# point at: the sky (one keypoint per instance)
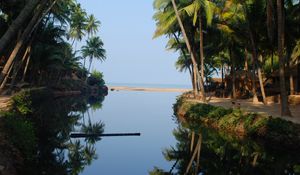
(133, 56)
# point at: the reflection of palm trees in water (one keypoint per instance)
(222, 153)
(80, 155)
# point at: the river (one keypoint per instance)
(148, 113)
(165, 144)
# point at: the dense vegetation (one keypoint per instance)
(222, 153)
(38, 44)
(238, 122)
(39, 126)
(258, 37)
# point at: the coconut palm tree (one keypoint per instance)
(92, 25)
(78, 24)
(285, 111)
(93, 49)
(96, 129)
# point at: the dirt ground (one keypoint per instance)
(4, 102)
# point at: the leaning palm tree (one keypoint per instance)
(93, 49)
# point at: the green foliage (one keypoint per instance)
(158, 171)
(239, 122)
(219, 112)
(96, 74)
(23, 100)
(96, 78)
(21, 134)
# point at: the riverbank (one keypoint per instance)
(247, 105)
(239, 122)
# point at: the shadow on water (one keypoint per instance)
(52, 151)
(202, 150)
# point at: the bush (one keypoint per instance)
(219, 112)
(21, 134)
(96, 78)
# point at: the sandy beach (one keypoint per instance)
(147, 89)
(247, 105)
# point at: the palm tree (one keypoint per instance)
(94, 129)
(92, 25)
(187, 42)
(93, 49)
(285, 111)
(78, 23)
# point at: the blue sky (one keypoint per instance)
(133, 56)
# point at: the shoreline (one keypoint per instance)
(147, 89)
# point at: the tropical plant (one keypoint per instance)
(93, 49)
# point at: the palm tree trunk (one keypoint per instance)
(18, 66)
(188, 45)
(202, 60)
(254, 99)
(25, 35)
(233, 76)
(26, 65)
(91, 60)
(6, 78)
(261, 84)
(186, 58)
(18, 23)
(254, 61)
(285, 111)
(246, 60)
(292, 85)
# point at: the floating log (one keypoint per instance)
(82, 135)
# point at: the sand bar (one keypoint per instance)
(147, 89)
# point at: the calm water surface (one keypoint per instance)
(148, 113)
(164, 143)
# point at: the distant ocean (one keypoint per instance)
(180, 86)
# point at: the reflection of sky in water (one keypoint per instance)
(146, 112)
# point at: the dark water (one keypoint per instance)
(164, 145)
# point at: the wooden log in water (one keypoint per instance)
(82, 135)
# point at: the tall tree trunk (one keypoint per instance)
(38, 16)
(18, 23)
(17, 67)
(5, 79)
(246, 60)
(186, 59)
(233, 75)
(254, 99)
(285, 111)
(255, 66)
(202, 60)
(261, 84)
(27, 64)
(187, 44)
(91, 60)
(291, 78)
(223, 83)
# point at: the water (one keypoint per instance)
(124, 112)
(143, 85)
(164, 143)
